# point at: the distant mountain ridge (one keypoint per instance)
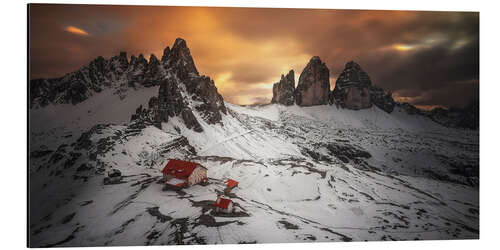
(354, 90)
(183, 92)
(75, 87)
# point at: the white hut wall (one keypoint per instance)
(198, 174)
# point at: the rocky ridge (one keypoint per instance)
(284, 90)
(182, 92)
(353, 89)
(116, 73)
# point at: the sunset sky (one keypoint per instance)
(426, 58)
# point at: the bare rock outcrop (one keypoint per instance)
(77, 86)
(314, 84)
(183, 92)
(354, 90)
(284, 90)
(382, 99)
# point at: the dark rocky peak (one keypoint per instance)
(179, 58)
(289, 77)
(166, 53)
(141, 59)
(99, 60)
(382, 99)
(284, 90)
(314, 84)
(353, 74)
(152, 75)
(352, 65)
(136, 71)
(315, 59)
(153, 60)
(97, 72)
(179, 44)
(98, 64)
(122, 57)
(183, 92)
(354, 90)
(119, 63)
(138, 61)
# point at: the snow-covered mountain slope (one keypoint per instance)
(104, 107)
(55, 124)
(306, 174)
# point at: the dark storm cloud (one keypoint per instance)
(426, 58)
(440, 70)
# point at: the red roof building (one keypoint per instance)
(223, 205)
(231, 183)
(181, 173)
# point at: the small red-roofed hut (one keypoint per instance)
(179, 173)
(223, 205)
(230, 184)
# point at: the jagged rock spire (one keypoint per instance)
(166, 53)
(122, 61)
(152, 75)
(179, 57)
(172, 100)
(153, 59)
(314, 84)
(284, 90)
(138, 61)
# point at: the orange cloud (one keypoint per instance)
(75, 30)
